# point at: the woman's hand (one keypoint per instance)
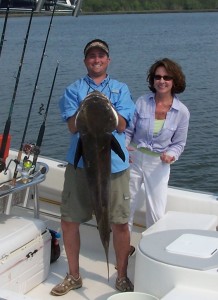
(167, 158)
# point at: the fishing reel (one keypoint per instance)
(26, 167)
(31, 149)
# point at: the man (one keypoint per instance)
(76, 205)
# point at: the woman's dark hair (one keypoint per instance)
(173, 69)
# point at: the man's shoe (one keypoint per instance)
(69, 283)
(124, 285)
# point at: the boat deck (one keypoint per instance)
(93, 267)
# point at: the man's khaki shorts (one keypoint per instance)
(76, 203)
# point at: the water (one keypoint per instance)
(136, 41)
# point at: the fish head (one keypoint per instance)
(96, 115)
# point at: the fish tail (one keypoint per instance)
(107, 260)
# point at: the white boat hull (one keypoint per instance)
(186, 209)
(178, 199)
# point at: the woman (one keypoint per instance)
(159, 132)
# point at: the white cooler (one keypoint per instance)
(25, 248)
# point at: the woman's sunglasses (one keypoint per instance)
(165, 77)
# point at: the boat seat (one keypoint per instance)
(183, 220)
(187, 293)
(186, 258)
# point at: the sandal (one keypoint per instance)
(69, 283)
(124, 285)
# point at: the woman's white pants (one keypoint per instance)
(154, 174)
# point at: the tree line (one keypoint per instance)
(145, 5)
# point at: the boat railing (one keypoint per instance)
(19, 193)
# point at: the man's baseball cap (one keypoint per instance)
(96, 44)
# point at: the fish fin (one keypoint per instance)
(78, 153)
(115, 146)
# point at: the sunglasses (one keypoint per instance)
(165, 77)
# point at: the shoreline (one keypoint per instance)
(21, 13)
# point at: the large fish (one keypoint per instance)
(95, 121)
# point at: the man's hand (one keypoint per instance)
(72, 124)
(121, 124)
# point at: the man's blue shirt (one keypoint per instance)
(121, 99)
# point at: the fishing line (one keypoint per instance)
(8, 122)
(4, 27)
(17, 161)
(42, 127)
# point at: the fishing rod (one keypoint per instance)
(4, 27)
(17, 160)
(28, 167)
(42, 127)
(8, 122)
